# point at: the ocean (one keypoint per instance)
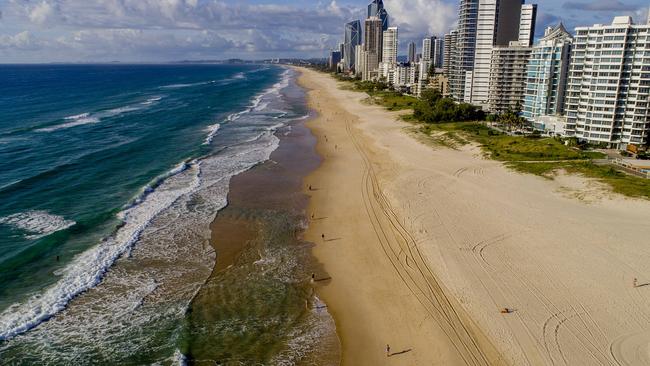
(110, 177)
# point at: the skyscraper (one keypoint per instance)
(372, 46)
(437, 52)
(352, 38)
(450, 47)
(427, 48)
(412, 52)
(374, 6)
(498, 25)
(464, 48)
(376, 9)
(334, 59)
(547, 73)
(358, 60)
(389, 53)
(609, 84)
(527, 24)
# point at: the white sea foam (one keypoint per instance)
(179, 358)
(188, 85)
(87, 269)
(37, 223)
(212, 131)
(96, 117)
(78, 116)
(152, 100)
(170, 192)
(78, 120)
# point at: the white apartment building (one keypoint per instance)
(358, 60)
(527, 24)
(427, 43)
(390, 46)
(499, 23)
(609, 84)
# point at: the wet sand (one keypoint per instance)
(269, 191)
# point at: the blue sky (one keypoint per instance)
(169, 30)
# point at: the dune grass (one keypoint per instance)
(538, 156)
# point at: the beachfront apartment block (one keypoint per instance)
(507, 78)
(389, 55)
(462, 47)
(608, 87)
(358, 60)
(499, 23)
(390, 45)
(372, 47)
(546, 75)
(449, 52)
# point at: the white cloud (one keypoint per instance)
(41, 12)
(425, 17)
(22, 41)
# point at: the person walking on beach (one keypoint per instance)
(387, 350)
(322, 236)
(635, 283)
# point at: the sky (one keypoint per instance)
(35, 31)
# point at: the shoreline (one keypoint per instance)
(265, 215)
(427, 245)
(374, 301)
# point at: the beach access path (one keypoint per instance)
(426, 246)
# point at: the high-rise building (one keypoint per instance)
(389, 53)
(334, 59)
(609, 84)
(358, 60)
(507, 78)
(390, 45)
(427, 48)
(450, 46)
(438, 52)
(412, 52)
(376, 9)
(464, 47)
(498, 25)
(372, 46)
(352, 39)
(547, 73)
(527, 24)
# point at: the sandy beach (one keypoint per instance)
(426, 245)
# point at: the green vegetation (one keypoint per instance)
(381, 94)
(530, 154)
(504, 147)
(535, 155)
(433, 108)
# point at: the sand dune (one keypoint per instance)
(429, 244)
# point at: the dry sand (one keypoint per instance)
(426, 245)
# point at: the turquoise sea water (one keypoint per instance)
(107, 163)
